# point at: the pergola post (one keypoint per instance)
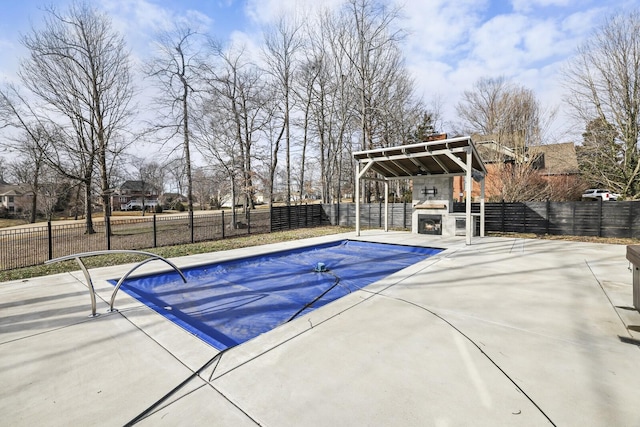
(357, 198)
(468, 187)
(386, 206)
(482, 207)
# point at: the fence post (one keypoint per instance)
(191, 226)
(50, 239)
(404, 215)
(379, 214)
(600, 218)
(502, 217)
(107, 230)
(547, 216)
(248, 221)
(630, 225)
(222, 220)
(348, 213)
(524, 217)
(155, 232)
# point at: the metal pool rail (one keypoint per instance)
(78, 257)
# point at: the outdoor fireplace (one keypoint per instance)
(430, 224)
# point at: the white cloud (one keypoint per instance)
(440, 28)
(137, 15)
(529, 5)
(268, 11)
(11, 54)
(450, 47)
(583, 22)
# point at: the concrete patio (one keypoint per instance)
(505, 331)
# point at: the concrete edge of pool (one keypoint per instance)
(503, 332)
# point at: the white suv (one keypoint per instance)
(599, 194)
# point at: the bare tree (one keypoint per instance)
(238, 89)
(78, 67)
(204, 186)
(30, 168)
(370, 41)
(176, 67)
(29, 143)
(603, 82)
(3, 167)
(232, 115)
(508, 113)
(149, 175)
(282, 43)
(372, 48)
(273, 132)
(517, 182)
(44, 182)
(175, 168)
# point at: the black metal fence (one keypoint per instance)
(27, 246)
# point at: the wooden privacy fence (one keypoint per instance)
(371, 215)
(600, 219)
(297, 216)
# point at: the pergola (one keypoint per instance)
(445, 158)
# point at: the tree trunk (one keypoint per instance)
(87, 208)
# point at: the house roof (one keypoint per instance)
(551, 159)
(136, 185)
(440, 157)
(559, 159)
(12, 189)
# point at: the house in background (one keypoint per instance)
(554, 164)
(556, 160)
(14, 197)
(171, 200)
(134, 195)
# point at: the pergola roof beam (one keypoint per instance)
(457, 160)
(423, 168)
(437, 160)
(402, 168)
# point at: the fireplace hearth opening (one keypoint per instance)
(430, 224)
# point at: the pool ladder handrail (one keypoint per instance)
(78, 257)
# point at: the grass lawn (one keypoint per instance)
(11, 222)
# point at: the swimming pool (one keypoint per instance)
(230, 302)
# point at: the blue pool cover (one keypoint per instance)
(228, 303)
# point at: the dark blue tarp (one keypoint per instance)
(231, 302)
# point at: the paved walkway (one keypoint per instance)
(505, 332)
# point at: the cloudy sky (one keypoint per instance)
(450, 43)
